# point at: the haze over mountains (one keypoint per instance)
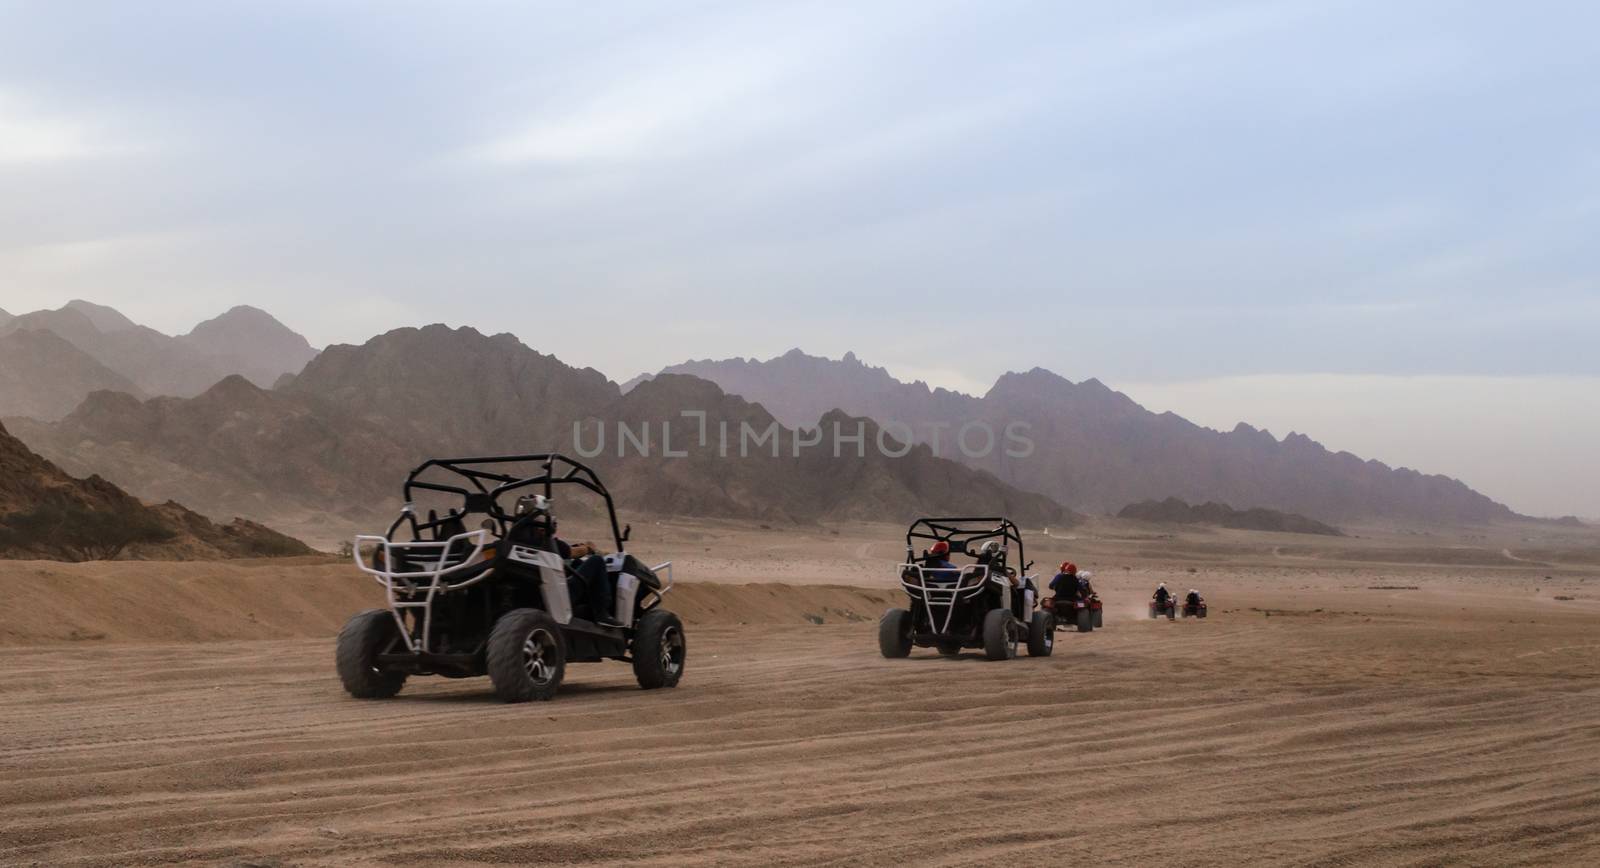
(1098, 450)
(242, 417)
(114, 352)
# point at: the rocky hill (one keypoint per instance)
(1097, 449)
(47, 514)
(839, 469)
(235, 449)
(1176, 511)
(456, 391)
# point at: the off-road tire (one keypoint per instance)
(1200, 614)
(363, 638)
(527, 656)
(1041, 634)
(894, 634)
(999, 637)
(659, 650)
(1085, 621)
(1099, 617)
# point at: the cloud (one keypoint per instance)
(28, 135)
(33, 135)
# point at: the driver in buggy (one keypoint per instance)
(936, 563)
(587, 577)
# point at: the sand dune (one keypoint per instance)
(1326, 714)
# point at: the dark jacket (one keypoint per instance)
(1065, 585)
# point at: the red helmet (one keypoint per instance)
(939, 548)
(1069, 568)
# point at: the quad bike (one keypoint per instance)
(1169, 609)
(1194, 609)
(1085, 613)
(503, 600)
(988, 604)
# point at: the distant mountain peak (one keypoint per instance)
(247, 340)
(106, 319)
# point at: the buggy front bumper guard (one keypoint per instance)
(938, 592)
(432, 579)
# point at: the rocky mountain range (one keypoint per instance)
(1176, 511)
(1097, 449)
(338, 438)
(43, 380)
(241, 416)
(45, 513)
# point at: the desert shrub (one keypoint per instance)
(77, 533)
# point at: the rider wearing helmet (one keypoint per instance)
(1162, 595)
(1194, 599)
(937, 557)
(1065, 584)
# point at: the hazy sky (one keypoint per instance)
(1150, 193)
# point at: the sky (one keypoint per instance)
(1190, 198)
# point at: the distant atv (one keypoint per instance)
(1169, 609)
(500, 600)
(1085, 613)
(989, 603)
(1193, 606)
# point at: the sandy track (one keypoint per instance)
(1364, 701)
(1308, 738)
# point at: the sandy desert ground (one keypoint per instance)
(1394, 699)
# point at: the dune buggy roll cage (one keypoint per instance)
(964, 531)
(937, 587)
(488, 485)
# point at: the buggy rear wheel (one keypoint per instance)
(659, 650)
(894, 634)
(1041, 634)
(1085, 621)
(527, 656)
(1099, 617)
(363, 638)
(999, 634)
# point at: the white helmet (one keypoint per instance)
(1162, 586)
(991, 547)
(1194, 591)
